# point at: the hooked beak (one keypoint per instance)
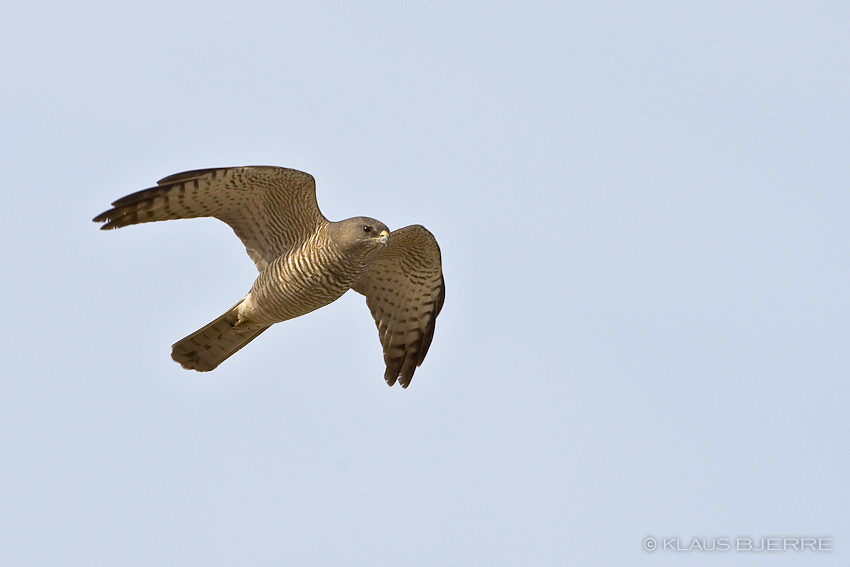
(384, 237)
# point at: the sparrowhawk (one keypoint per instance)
(305, 261)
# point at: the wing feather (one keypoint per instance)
(405, 290)
(271, 209)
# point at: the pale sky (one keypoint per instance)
(644, 217)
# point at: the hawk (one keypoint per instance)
(305, 261)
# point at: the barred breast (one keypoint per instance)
(311, 276)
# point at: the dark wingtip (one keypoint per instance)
(106, 217)
(109, 225)
(402, 371)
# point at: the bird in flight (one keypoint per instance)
(305, 261)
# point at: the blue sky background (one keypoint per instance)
(643, 212)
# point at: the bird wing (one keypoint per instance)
(271, 209)
(404, 290)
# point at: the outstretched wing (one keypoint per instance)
(271, 209)
(404, 290)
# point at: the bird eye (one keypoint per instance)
(367, 228)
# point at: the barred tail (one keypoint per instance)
(211, 345)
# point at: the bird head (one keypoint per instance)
(362, 233)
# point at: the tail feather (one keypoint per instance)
(211, 345)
